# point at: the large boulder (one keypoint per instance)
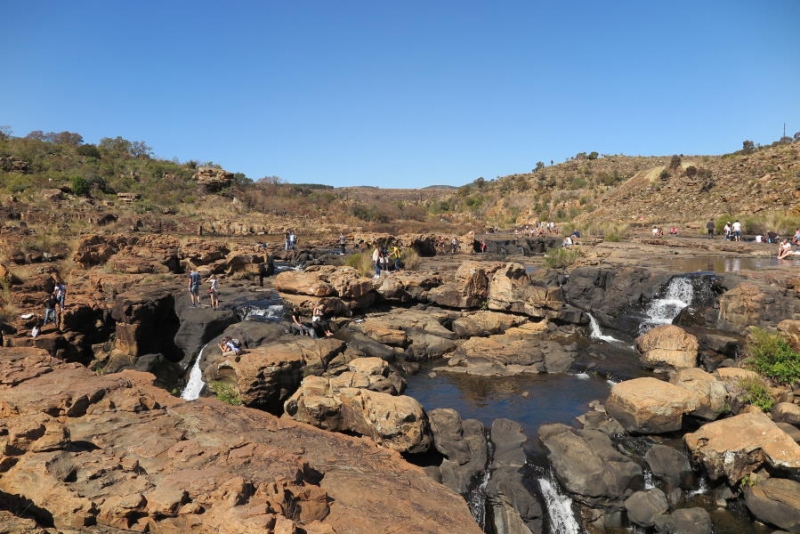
(685, 521)
(346, 404)
(650, 406)
(775, 501)
(509, 355)
(592, 470)
(265, 377)
(737, 446)
(484, 323)
(667, 347)
(644, 507)
(748, 304)
(710, 390)
(669, 465)
(469, 287)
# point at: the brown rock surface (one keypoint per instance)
(102, 452)
(667, 347)
(650, 406)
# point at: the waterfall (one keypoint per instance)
(195, 384)
(596, 333)
(559, 507)
(678, 295)
(476, 498)
(648, 479)
(702, 489)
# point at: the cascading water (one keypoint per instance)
(559, 506)
(195, 384)
(596, 333)
(476, 498)
(678, 295)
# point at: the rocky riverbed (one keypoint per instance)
(97, 438)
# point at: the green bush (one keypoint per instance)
(361, 262)
(754, 391)
(225, 392)
(79, 186)
(772, 357)
(559, 258)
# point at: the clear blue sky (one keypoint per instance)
(403, 93)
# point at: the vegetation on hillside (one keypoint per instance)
(598, 194)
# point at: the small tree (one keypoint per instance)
(748, 147)
(675, 162)
(80, 186)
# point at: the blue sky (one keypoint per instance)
(403, 93)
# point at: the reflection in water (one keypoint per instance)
(531, 400)
(716, 264)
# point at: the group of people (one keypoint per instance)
(386, 259)
(195, 281)
(319, 327)
(785, 249)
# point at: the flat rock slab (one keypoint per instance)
(650, 406)
(737, 446)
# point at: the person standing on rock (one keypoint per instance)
(342, 242)
(710, 227)
(49, 310)
(213, 291)
(194, 287)
(376, 260)
(737, 230)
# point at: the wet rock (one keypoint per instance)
(463, 445)
(670, 465)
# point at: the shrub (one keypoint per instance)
(559, 258)
(225, 392)
(79, 186)
(361, 262)
(754, 391)
(771, 356)
(411, 260)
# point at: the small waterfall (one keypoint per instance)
(195, 384)
(559, 507)
(678, 295)
(476, 498)
(648, 479)
(702, 489)
(596, 333)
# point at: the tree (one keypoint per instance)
(80, 186)
(593, 155)
(539, 166)
(748, 147)
(5, 132)
(675, 162)
(140, 150)
(67, 138)
(796, 134)
(89, 151)
(241, 179)
(118, 145)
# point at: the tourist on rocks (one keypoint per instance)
(213, 291)
(318, 320)
(453, 245)
(286, 241)
(784, 249)
(228, 344)
(194, 287)
(726, 232)
(673, 230)
(49, 310)
(737, 230)
(343, 242)
(710, 228)
(567, 242)
(483, 246)
(796, 238)
(772, 237)
(395, 255)
(292, 240)
(60, 292)
(376, 260)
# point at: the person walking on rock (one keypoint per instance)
(710, 227)
(194, 287)
(213, 291)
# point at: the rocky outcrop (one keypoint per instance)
(650, 406)
(508, 355)
(87, 452)
(213, 179)
(711, 392)
(666, 348)
(737, 446)
(750, 304)
(345, 403)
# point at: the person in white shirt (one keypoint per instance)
(737, 231)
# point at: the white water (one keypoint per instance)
(274, 311)
(597, 333)
(559, 507)
(702, 489)
(476, 500)
(195, 384)
(677, 296)
(648, 480)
